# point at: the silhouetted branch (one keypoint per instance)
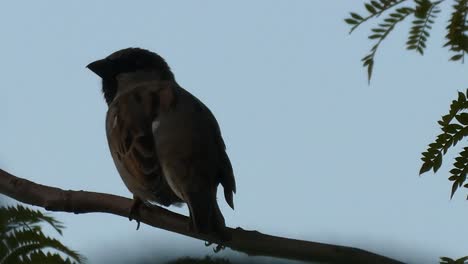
(250, 242)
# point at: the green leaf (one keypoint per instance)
(391, 20)
(375, 36)
(454, 189)
(370, 8)
(376, 4)
(396, 15)
(437, 163)
(420, 50)
(378, 30)
(370, 66)
(356, 16)
(456, 57)
(427, 166)
(452, 128)
(462, 118)
(351, 21)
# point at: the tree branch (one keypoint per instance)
(250, 242)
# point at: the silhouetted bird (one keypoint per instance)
(166, 144)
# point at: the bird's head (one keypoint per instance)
(128, 61)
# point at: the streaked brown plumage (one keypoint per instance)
(166, 144)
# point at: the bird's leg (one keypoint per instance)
(191, 226)
(135, 211)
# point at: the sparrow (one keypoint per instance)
(165, 143)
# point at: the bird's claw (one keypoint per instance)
(134, 212)
(207, 243)
(138, 222)
(218, 248)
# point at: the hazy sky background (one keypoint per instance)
(318, 153)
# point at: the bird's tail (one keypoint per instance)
(227, 180)
(205, 215)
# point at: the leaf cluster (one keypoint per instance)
(457, 40)
(380, 32)
(22, 239)
(454, 127)
(424, 16)
(446, 260)
(424, 13)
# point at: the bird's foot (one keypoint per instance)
(217, 248)
(135, 211)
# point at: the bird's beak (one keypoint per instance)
(100, 67)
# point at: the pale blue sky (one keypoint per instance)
(318, 154)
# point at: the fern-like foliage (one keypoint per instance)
(424, 14)
(457, 39)
(454, 126)
(44, 258)
(445, 260)
(381, 32)
(22, 240)
(17, 217)
(374, 9)
(458, 173)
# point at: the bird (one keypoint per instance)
(166, 144)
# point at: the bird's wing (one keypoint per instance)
(129, 133)
(208, 126)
